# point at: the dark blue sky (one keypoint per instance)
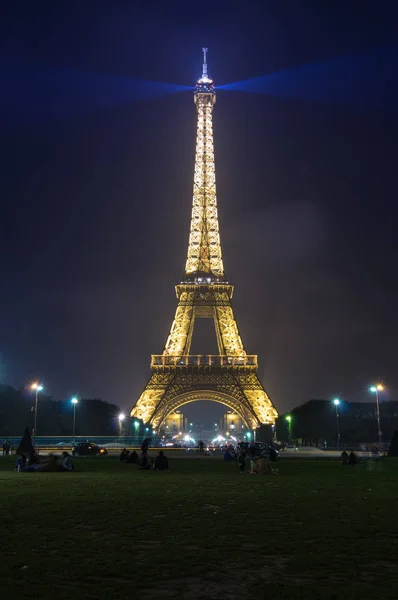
(96, 197)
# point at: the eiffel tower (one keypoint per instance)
(179, 377)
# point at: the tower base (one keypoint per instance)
(222, 379)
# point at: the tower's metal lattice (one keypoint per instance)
(231, 376)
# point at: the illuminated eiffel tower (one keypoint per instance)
(179, 377)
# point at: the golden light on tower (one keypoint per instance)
(231, 376)
(204, 249)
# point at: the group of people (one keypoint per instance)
(32, 463)
(128, 457)
(348, 459)
(259, 465)
(161, 462)
(6, 447)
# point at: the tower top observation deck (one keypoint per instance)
(205, 85)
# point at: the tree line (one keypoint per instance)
(315, 422)
(94, 417)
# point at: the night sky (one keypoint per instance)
(96, 192)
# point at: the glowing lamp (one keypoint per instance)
(36, 386)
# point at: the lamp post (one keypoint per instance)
(38, 388)
(122, 416)
(74, 402)
(376, 389)
(336, 403)
(289, 424)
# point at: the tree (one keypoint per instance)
(25, 445)
(393, 450)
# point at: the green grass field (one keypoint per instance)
(201, 530)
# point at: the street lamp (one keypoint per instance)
(289, 424)
(376, 389)
(336, 402)
(74, 402)
(122, 416)
(37, 387)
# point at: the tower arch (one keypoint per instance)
(197, 395)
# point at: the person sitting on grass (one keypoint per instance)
(352, 459)
(228, 456)
(161, 462)
(124, 455)
(144, 462)
(33, 464)
(33, 458)
(50, 465)
(20, 462)
(66, 462)
(344, 458)
(132, 457)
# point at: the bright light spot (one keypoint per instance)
(74, 400)
(36, 386)
(146, 428)
(219, 438)
(248, 435)
(377, 388)
(336, 401)
(136, 424)
(288, 418)
(122, 416)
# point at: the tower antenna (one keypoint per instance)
(204, 72)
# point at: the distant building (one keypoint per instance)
(232, 424)
(175, 423)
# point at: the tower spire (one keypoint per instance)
(204, 71)
(204, 256)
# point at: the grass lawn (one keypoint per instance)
(202, 530)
